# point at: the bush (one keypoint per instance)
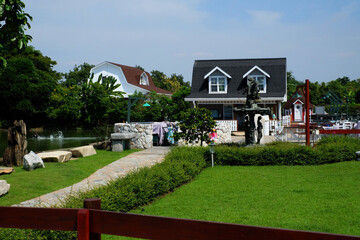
(329, 150)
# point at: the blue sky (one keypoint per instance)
(320, 39)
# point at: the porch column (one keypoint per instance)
(279, 110)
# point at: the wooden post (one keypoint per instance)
(93, 203)
(307, 103)
(83, 227)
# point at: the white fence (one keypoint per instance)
(234, 124)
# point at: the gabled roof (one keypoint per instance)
(299, 95)
(256, 67)
(132, 75)
(237, 68)
(219, 69)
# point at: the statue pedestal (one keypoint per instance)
(250, 128)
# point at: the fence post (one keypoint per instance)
(93, 203)
(83, 228)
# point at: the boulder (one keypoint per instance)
(4, 187)
(32, 161)
(83, 151)
(55, 156)
(6, 170)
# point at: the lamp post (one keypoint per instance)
(212, 151)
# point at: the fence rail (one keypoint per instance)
(91, 223)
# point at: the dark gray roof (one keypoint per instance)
(236, 68)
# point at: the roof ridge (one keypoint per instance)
(238, 59)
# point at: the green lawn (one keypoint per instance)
(26, 185)
(323, 198)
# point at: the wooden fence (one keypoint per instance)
(90, 223)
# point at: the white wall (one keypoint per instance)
(108, 69)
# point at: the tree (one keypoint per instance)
(98, 99)
(13, 23)
(292, 83)
(26, 84)
(78, 76)
(179, 104)
(65, 105)
(172, 84)
(196, 124)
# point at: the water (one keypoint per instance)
(53, 139)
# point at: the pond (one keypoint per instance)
(53, 139)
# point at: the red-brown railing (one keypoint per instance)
(90, 223)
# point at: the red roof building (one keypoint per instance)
(131, 78)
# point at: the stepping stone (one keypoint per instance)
(55, 156)
(4, 187)
(6, 170)
(83, 151)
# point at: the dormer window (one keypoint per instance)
(144, 79)
(217, 84)
(261, 79)
(218, 80)
(259, 75)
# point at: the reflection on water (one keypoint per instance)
(48, 140)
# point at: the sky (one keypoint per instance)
(320, 39)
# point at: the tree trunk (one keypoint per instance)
(17, 145)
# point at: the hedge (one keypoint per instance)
(329, 150)
(183, 163)
(180, 166)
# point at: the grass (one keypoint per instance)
(321, 198)
(26, 185)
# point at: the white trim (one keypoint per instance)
(146, 79)
(297, 101)
(217, 68)
(256, 67)
(256, 79)
(233, 99)
(217, 84)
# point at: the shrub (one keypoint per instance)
(329, 150)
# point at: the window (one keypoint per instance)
(261, 79)
(228, 112)
(217, 84)
(144, 79)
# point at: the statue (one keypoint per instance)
(259, 130)
(247, 130)
(252, 93)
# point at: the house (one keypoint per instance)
(219, 85)
(295, 106)
(131, 78)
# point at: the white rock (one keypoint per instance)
(4, 187)
(32, 161)
(55, 156)
(83, 151)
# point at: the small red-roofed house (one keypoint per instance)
(131, 78)
(295, 106)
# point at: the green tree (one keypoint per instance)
(65, 105)
(179, 104)
(99, 99)
(26, 84)
(292, 83)
(172, 84)
(78, 76)
(196, 124)
(13, 23)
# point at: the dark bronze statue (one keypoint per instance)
(259, 130)
(252, 93)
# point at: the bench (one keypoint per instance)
(121, 141)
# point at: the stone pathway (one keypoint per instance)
(119, 168)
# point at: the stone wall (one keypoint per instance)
(144, 139)
(223, 130)
(143, 134)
